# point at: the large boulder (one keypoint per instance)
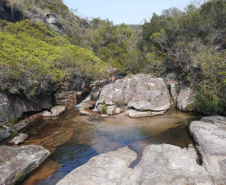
(140, 92)
(17, 162)
(185, 99)
(210, 137)
(160, 164)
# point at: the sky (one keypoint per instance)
(123, 11)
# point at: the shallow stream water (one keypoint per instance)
(73, 139)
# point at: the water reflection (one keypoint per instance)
(74, 139)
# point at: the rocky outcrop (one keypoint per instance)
(68, 98)
(160, 164)
(17, 162)
(139, 92)
(14, 106)
(185, 99)
(96, 88)
(53, 22)
(210, 137)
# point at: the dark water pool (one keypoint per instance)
(74, 139)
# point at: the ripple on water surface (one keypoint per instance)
(74, 139)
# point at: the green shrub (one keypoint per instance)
(33, 58)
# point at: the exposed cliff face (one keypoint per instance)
(14, 106)
(12, 12)
(54, 13)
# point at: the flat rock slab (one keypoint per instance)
(108, 168)
(160, 165)
(139, 114)
(17, 162)
(210, 137)
(19, 139)
(57, 110)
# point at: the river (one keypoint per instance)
(73, 139)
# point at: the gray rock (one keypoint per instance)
(68, 98)
(57, 110)
(109, 109)
(185, 99)
(140, 92)
(17, 162)
(108, 168)
(210, 136)
(160, 165)
(88, 104)
(53, 22)
(19, 139)
(174, 91)
(5, 132)
(46, 114)
(15, 106)
(138, 114)
(24, 123)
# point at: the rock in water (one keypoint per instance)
(140, 92)
(108, 168)
(57, 110)
(160, 165)
(185, 99)
(46, 114)
(17, 162)
(19, 139)
(210, 136)
(88, 104)
(137, 114)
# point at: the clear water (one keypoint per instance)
(74, 139)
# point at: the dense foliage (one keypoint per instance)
(34, 58)
(192, 44)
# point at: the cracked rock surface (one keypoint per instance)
(160, 164)
(17, 162)
(139, 92)
(210, 136)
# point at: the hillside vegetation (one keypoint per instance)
(33, 59)
(192, 44)
(189, 43)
